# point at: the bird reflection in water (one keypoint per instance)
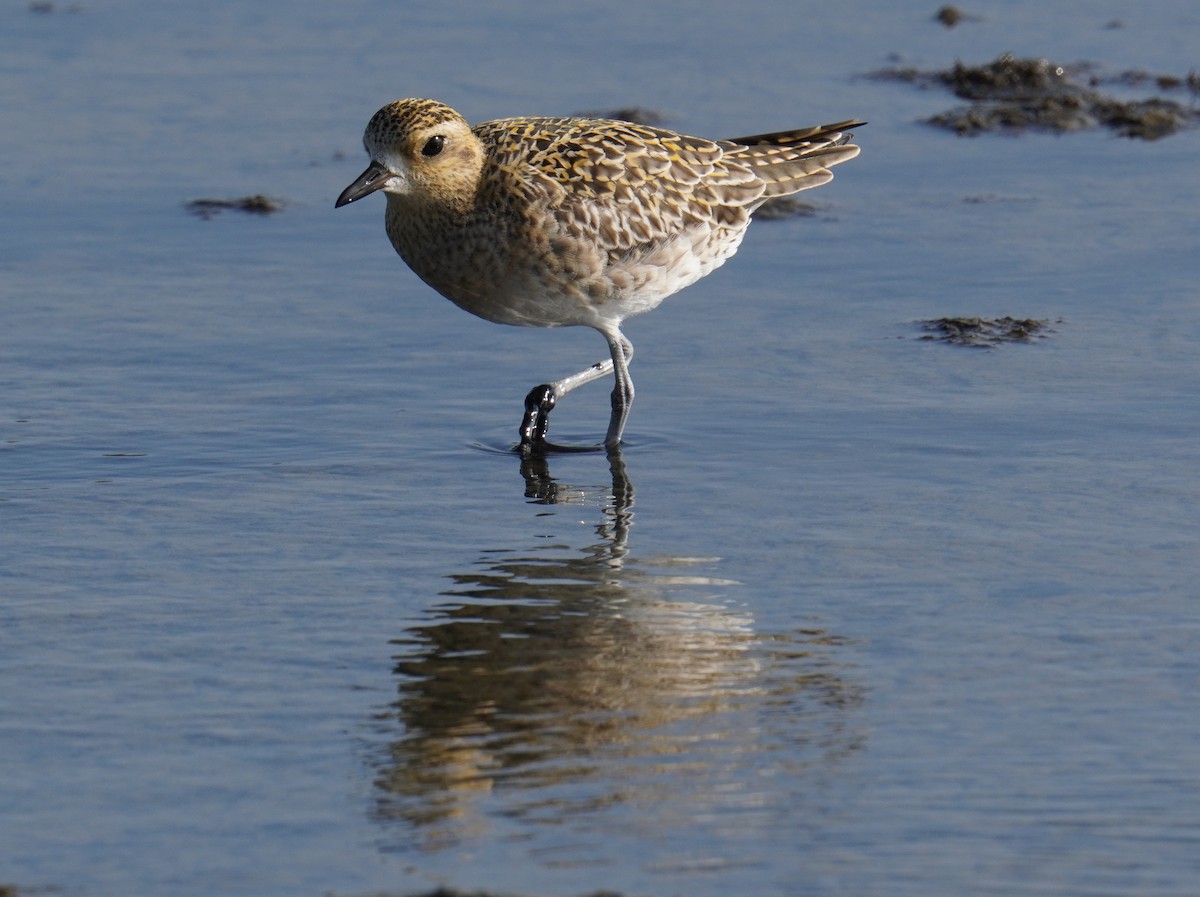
(571, 680)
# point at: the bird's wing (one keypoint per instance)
(625, 185)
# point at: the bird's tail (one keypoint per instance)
(791, 161)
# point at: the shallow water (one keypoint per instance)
(853, 612)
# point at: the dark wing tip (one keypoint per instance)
(798, 135)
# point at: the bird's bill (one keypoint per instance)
(366, 183)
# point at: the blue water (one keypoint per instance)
(852, 613)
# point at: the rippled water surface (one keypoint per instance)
(854, 612)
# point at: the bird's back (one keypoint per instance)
(678, 177)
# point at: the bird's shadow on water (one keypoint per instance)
(572, 679)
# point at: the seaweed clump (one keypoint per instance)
(1012, 95)
(778, 208)
(985, 333)
(637, 115)
(258, 204)
(951, 15)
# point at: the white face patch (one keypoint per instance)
(400, 181)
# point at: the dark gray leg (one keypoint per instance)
(542, 399)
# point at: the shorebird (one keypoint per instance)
(555, 222)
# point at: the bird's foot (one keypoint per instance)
(536, 421)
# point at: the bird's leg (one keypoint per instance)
(541, 400)
(622, 394)
(537, 414)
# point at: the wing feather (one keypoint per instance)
(628, 186)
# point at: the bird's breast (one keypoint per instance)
(512, 270)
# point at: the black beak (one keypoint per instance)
(368, 182)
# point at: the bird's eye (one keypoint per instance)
(433, 145)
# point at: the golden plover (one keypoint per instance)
(552, 222)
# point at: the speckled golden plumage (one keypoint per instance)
(550, 222)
